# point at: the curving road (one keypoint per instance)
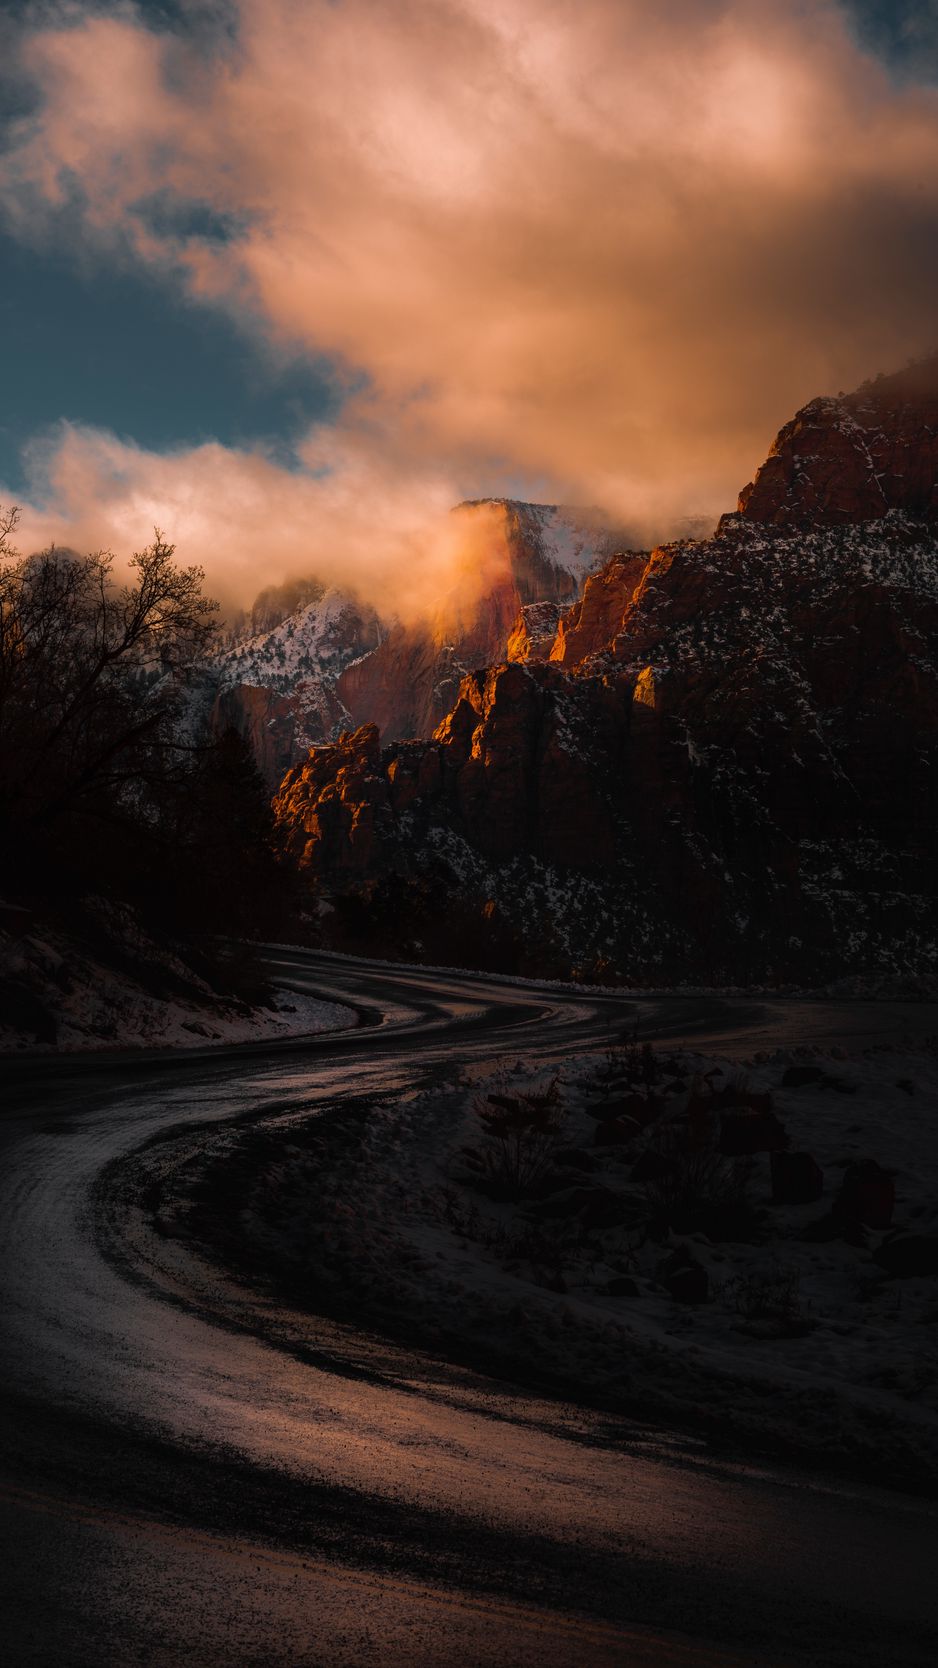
(192, 1476)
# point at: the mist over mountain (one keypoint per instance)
(336, 662)
(726, 766)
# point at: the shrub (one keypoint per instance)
(770, 1302)
(520, 1134)
(700, 1191)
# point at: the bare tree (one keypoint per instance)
(90, 674)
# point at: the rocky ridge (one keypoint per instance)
(726, 770)
(334, 663)
(855, 457)
(410, 682)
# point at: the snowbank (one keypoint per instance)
(123, 990)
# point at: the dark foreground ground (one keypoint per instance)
(185, 1480)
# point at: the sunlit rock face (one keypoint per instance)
(412, 679)
(727, 771)
(590, 624)
(332, 807)
(854, 458)
(534, 631)
(333, 664)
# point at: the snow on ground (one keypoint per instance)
(57, 994)
(804, 1340)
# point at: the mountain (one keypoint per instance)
(854, 458)
(412, 679)
(277, 688)
(726, 770)
(333, 664)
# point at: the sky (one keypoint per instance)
(290, 279)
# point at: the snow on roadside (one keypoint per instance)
(804, 1340)
(57, 995)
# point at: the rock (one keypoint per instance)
(532, 635)
(735, 1099)
(909, 1255)
(685, 1279)
(797, 1179)
(722, 1221)
(533, 556)
(855, 1234)
(867, 1195)
(744, 1133)
(605, 1209)
(854, 458)
(699, 1123)
(277, 686)
(574, 1158)
(621, 1286)
(797, 1077)
(617, 1132)
(599, 1207)
(640, 1109)
(595, 620)
(822, 1231)
(560, 1205)
(555, 1181)
(570, 814)
(651, 1166)
(555, 1283)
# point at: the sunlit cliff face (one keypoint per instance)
(594, 252)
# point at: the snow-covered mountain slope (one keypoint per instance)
(277, 688)
(315, 643)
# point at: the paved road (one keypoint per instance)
(185, 1481)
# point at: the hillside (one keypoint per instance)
(726, 770)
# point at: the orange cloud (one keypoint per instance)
(601, 248)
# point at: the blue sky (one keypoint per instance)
(108, 345)
(120, 350)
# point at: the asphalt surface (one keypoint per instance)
(183, 1482)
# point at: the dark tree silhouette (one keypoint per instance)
(90, 677)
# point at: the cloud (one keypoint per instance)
(248, 521)
(598, 250)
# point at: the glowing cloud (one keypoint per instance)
(596, 248)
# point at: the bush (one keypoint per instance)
(700, 1191)
(520, 1134)
(770, 1303)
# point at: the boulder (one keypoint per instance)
(617, 1132)
(823, 1230)
(909, 1255)
(651, 1166)
(797, 1179)
(574, 1158)
(867, 1195)
(744, 1133)
(685, 1278)
(798, 1077)
(598, 1207)
(644, 1109)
